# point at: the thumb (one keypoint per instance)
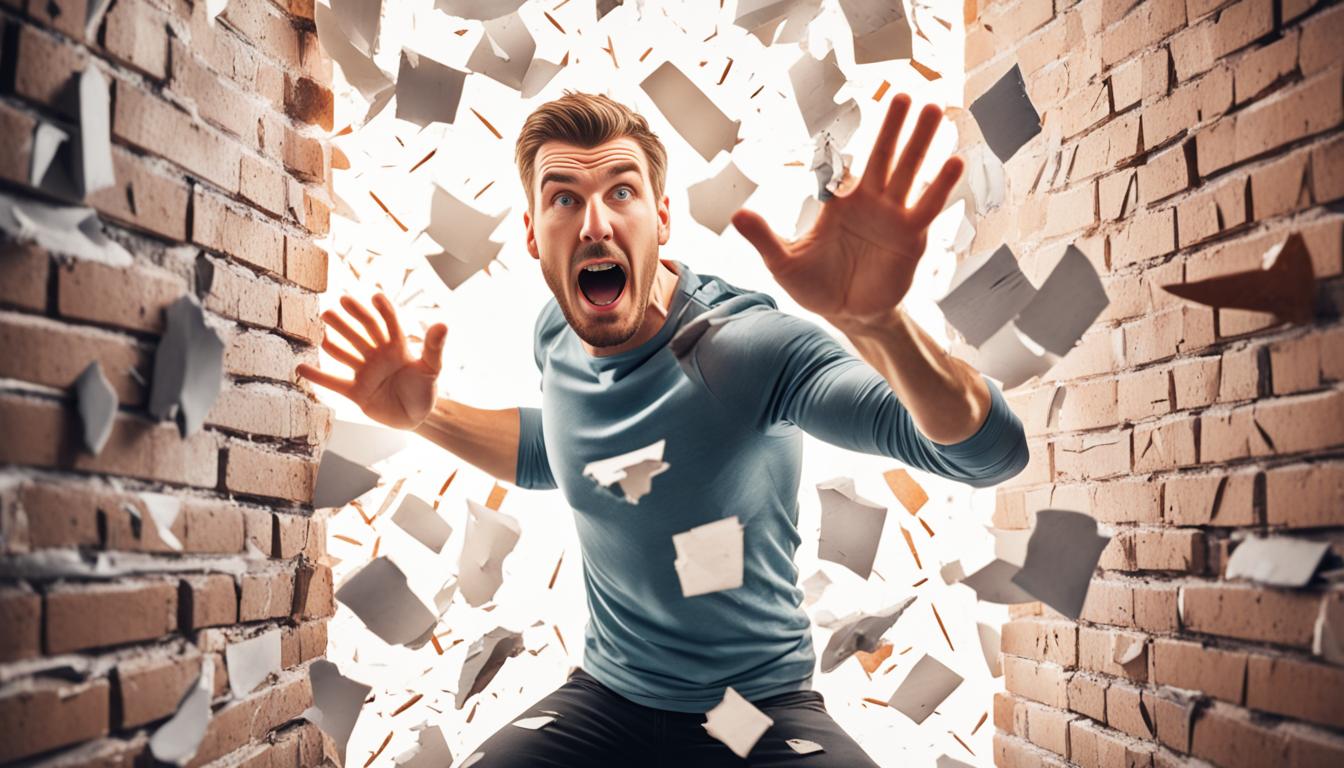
(432, 355)
(754, 229)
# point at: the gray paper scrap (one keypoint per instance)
(990, 643)
(994, 584)
(359, 69)
(763, 18)
(337, 702)
(1065, 305)
(690, 111)
(709, 557)
(737, 723)
(490, 537)
(188, 367)
(431, 751)
(714, 200)
(815, 83)
(1006, 116)
(365, 444)
(163, 511)
(992, 293)
(380, 597)
(851, 526)
(341, 481)
(418, 518)
(927, 686)
(606, 6)
(252, 661)
(484, 659)
(70, 230)
(1061, 556)
(633, 472)
(177, 740)
(95, 133)
(479, 10)
(1010, 544)
(814, 587)
(1280, 561)
(427, 91)
(880, 30)
(952, 572)
(945, 761)
(516, 67)
(97, 407)
(1011, 357)
(803, 746)
(861, 634)
(51, 164)
(472, 760)
(361, 21)
(464, 235)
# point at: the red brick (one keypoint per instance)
(1216, 672)
(252, 469)
(1039, 682)
(21, 616)
(1319, 48)
(207, 601)
(1301, 689)
(1241, 375)
(1125, 713)
(1087, 695)
(24, 269)
(250, 720)
(250, 240)
(132, 298)
(1195, 381)
(1096, 653)
(303, 642)
(264, 355)
(308, 101)
(240, 294)
(1250, 613)
(43, 713)
(315, 599)
(96, 615)
(150, 687)
(267, 29)
(1155, 608)
(46, 352)
(1254, 73)
(1282, 186)
(18, 126)
(1327, 170)
(1305, 495)
(143, 197)
(1052, 641)
(156, 126)
(136, 34)
(263, 184)
(1295, 364)
(45, 68)
(222, 106)
(1229, 737)
(66, 16)
(266, 594)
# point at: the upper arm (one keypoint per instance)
(532, 468)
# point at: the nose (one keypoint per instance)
(596, 223)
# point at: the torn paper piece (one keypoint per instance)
(992, 293)
(989, 646)
(736, 723)
(944, 761)
(927, 686)
(379, 595)
(506, 53)
(1280, 561)
(177, 740)
(1011, 358)
(906, 489)
(70, 230)
(1127, 650)
(427, 91)
(97, 407)
(709, 557)
(95, 135)
(1066, 304)
(713, 201)
(814, 587)
(464, 235)
(484, 659)
(490, 537)
(430, 751)
(365, 444)
(606, 6)
(861, 634)
(251, 661)
(777, 21)
(341, 481)
(480, 10)
(337, 702)
(994, 584)
(690, 111)
(983, 181)
(830, 166)
(1005, 114)
(851, 526)
(163, 511)
(803, 746)
(633, 471)
(535, 723)
(1061, 556)
(1284, 285)
(879, 28)
(418, 518)
(361, 21)
(1011, 544)
(952, 572)
(51, 166)
(1328, 634)
(188, 367)
(815, 83)
(359, 70)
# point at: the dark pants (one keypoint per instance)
(599, 727)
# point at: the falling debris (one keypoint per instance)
(365, 444)
(252, 661)
(416, 517)
(427, 91)
(777, 21)
(430, 750)
(188, 367)
(1284, 285)
(633, 471)
(464, 235)
(690, 111)
(97, 407)
(340, 481)
(1279, 561)
(709, 557)
(927, 686)
(506, 53)
(337, 702)
(989, 645)
(359, 70)
(952, 572)
(379, 595)
(803, 746)
(880, 29)
(1327, 639)
(490, 537)
(535, 723)
(1065, 306)
(713, 200)
(994, 584)
(863, 633)
(851, 526)
(815, 84)
(1005, 114)
(74, 231)
(480, 10)
(736, 723)
(177, 740)
(484, 659)
(95, 136)
(906, 489)
(814, 587)
(361, 21)
(163, 511)
(1061, 556)
(993, 292)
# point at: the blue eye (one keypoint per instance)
(625, 189)
(562, 194)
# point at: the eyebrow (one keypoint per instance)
(565, 178)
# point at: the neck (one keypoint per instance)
(664, 287)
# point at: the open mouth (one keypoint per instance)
(602, 284)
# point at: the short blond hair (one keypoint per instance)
(586, 120)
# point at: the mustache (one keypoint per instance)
(596, 251)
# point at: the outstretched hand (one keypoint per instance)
(857, 262)
(390, 385)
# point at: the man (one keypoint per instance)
(634, 349)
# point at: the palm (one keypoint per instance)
(858, 260)
(389, 384)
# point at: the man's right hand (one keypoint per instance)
(390, 385)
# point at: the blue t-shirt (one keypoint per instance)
(731, 398)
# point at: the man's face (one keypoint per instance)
(596, 228)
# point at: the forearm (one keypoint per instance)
(947, 398)
(486, 439)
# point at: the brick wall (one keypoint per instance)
(221, 166)
(1181, 139)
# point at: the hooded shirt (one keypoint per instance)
(730, 383)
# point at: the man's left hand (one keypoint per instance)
(857, 262)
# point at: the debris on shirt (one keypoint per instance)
(251, 661)
(490, 537)
(863, 633)
(485, 657)
(1005, 114)
(851, 526)
(803, 746)
(709, 557)
(416, 517)
(1284, 285)
(178, 739)
(341, 481)
(1279, 561)
(379, 595)
(97, 407)
(737, 723)
(633, 471)
(1061, 556)
(927, 686)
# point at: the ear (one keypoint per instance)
(664, 220)
(531, 236)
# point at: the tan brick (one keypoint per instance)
(1250, 613)
(266, 594)
(1040, 682)
(1144, 394)
(1127, 501)
(240, 294)
(1172, 714)
(1167, 333)
(1087, 695)
(1052, 641)
(255, 470)
(136, 34)
(253, 241)
(1092, 456)
(1089, 405)
(1126, 712)
(264, 355)
(21, 616)
(300, 315)
(1166, 173)
(1166, 445)
(306, 264)
(217, 102)
(1155, 608)
(268, 29)
(1305, 495)
(1109, 602)
(1146, 24)
(95, 615)
(132, 298)
(150, 687)
(46, 352)
(155, 126)
(1049, 728)
(263, 184)
(43, 713)
(1215, 499)
(307, 157)
(143, 197)
(1216, 672)
(1096, 653)
(1228, 736)
(1302, 423)
(1241, 375)
(1195, 381)
(1301, 689)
